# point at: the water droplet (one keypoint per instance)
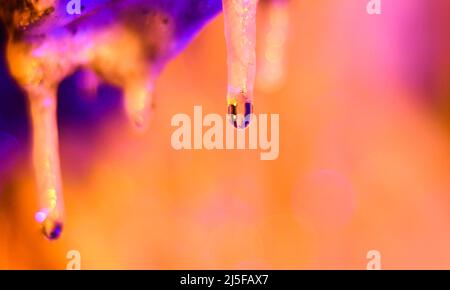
(52, 229)
(140, 120)
(238, 119)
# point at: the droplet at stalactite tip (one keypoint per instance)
(237, 119)
(46, 162)
(240, 33)
(138, 106)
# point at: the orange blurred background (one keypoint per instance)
(364, 159)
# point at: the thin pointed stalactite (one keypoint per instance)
(275, 29)
(46, 161)
(240, 32)
(138, 105)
